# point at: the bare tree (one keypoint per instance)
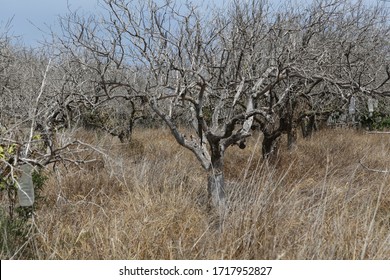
(31, 116)
(330, 53)
(177, 61)
(227, 70)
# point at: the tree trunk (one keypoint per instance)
(291, 138)
(291, 134)
(216, 181)
(289, 124)
(308, 126)
(216, 190)
(269, 145)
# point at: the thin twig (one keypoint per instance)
(373, 170)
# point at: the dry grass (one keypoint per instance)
(146, 200)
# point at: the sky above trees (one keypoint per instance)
(32, 20)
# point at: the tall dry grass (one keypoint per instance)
(147, 200)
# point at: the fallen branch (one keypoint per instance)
(378, 132)
(373, 170)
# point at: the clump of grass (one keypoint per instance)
(147, 200)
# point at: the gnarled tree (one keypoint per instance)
(227, 69)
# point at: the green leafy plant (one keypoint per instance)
(377, 121)
(15, 224)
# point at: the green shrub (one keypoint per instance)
(15, 226)
(378, 121)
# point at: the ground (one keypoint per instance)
(147, 200)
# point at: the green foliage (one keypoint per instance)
(7, 151)
(13, 234)
(39, 179)
(378, 121)
(7, 184)
(385, 123)
(15, 222)
(15, 226)
(208, 113)
(93, 119)
(109, 120)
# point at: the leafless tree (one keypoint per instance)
(31, 115)
(331, 51)
(232, 68)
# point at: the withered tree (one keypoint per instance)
(331, 52)
(178, 60)
(223, 71)
(33, 116)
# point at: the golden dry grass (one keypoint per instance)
(147, 200)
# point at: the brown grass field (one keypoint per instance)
(147, 200)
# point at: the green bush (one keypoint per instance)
(15, 224)
(378, 121)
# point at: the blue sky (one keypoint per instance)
(29, 16)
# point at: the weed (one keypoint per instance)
(148, 202)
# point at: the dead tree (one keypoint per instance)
(226, 69)
(31, 117)
(323, 58)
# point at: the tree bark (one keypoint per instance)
(216, 190)
(269, 145)
(216, 181)
(308, 126)
(291, 137)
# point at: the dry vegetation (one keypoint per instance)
(147, 200)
